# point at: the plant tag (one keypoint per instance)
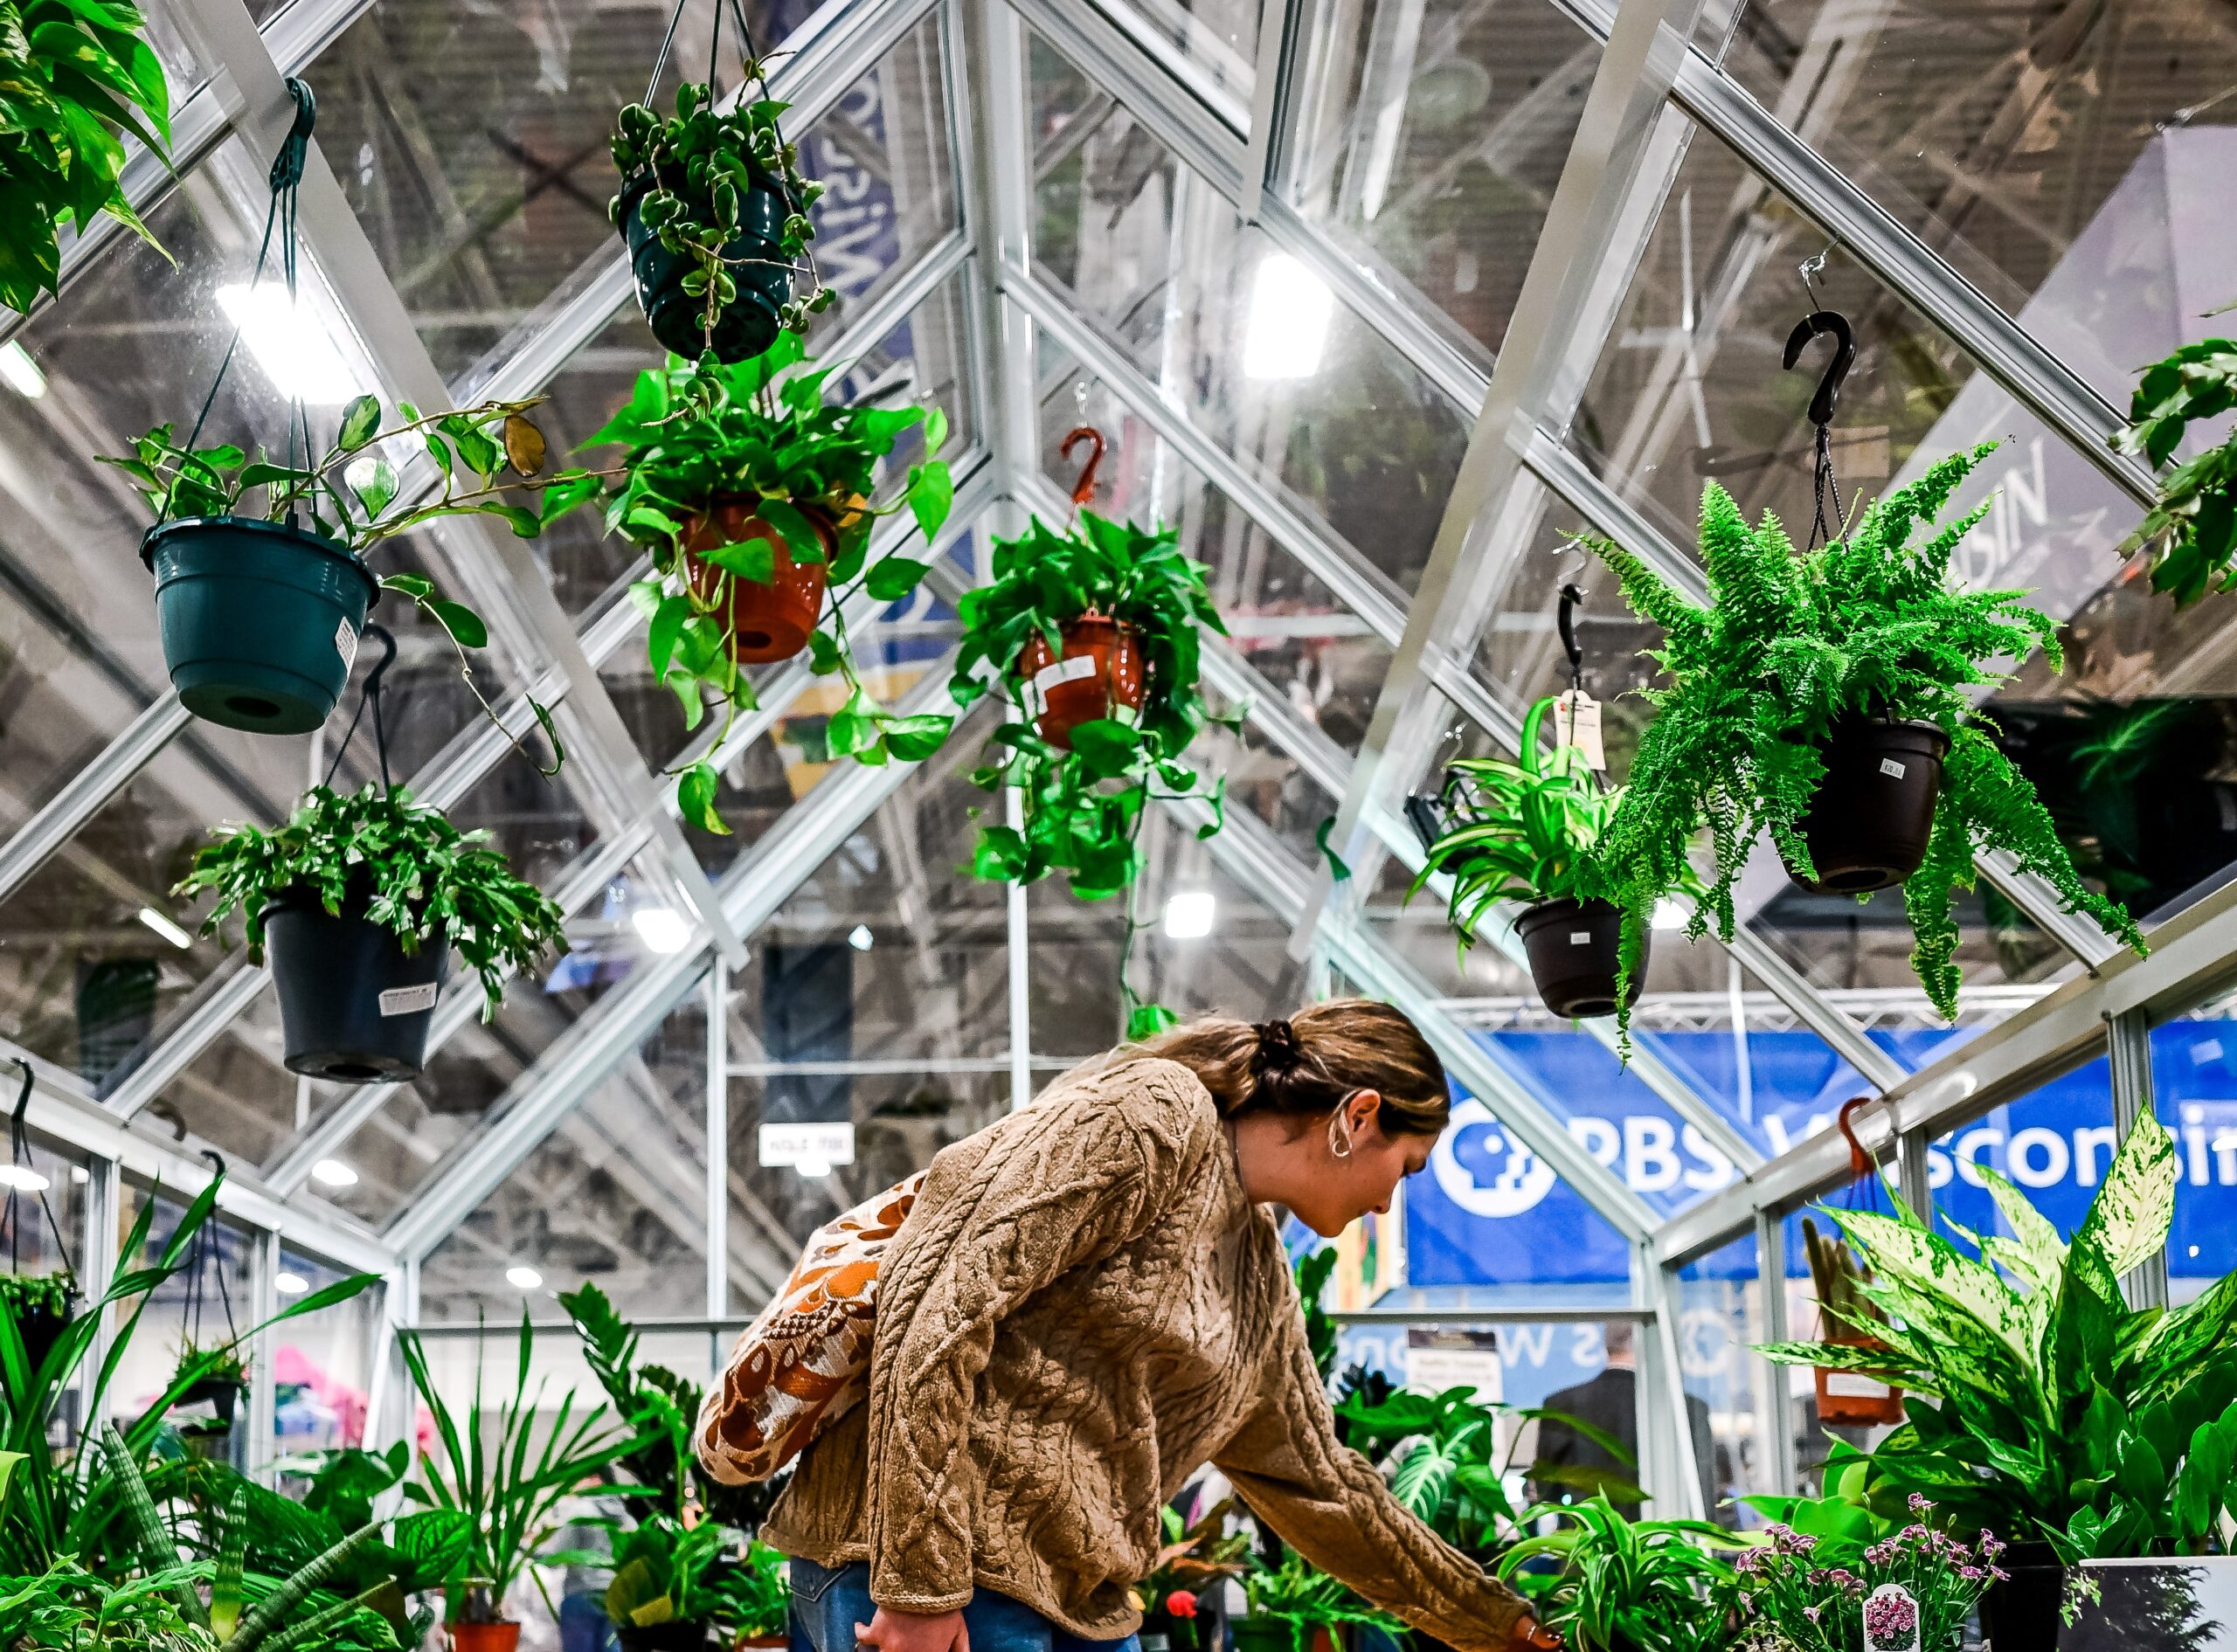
(408, 1000)
(1580, 938)
(1892, 769)
(1064, 671)
(1891, 1620)
(345, 644)
(1576, 722)
(1854, 1384)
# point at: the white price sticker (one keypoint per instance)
(345, 644)
(1853, 1384)
(1064, 671)
(409, 1001)
(1580, 938)
(1889, 767)
(1576, 722)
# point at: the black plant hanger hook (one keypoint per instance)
(19, 1138)
(1822, 324)
(371, 697)
(1565, 619)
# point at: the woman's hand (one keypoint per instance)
(891, 1631)
(1530, 1635)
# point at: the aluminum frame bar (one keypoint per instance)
(87, 793)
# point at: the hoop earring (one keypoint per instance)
(1339, 1147)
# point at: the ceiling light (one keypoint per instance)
(290, 343)
(860, 937)
(815, 1167)
(1289, 308)
(290, 1284)
(79, 1174)
(23, 1177)
(21, 372)
(165, 928)
(1669, 914)
(663, 928)
(1188, 914)
(523, 1278)
(333, 1173)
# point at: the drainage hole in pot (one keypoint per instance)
(251, 705)
(351, 1072)
(1593, 1008)
(755, 639)
(1861, 880)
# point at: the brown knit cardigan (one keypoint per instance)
(1082, 1310)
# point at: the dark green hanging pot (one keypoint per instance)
(259, 619)
(755, 257)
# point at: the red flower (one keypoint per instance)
(1181, 1604)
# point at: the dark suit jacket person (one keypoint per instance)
(1609, 1402)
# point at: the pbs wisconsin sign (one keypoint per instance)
(1489, 1211)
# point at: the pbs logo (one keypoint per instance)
(1481, 1166)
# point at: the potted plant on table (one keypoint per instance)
(755, 498)
(1827, 698)
(1525, 830)
(1295, 1607)
(714, 209)
(1092, 632)
(239, 536)
(38, 1306)
(1194, 1559)
(2041, 1406)
(73, 78)
(494, 1486)
(1625, 1585)
(362, 899)
(1910, 1591)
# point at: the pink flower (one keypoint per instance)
(1181, 1604)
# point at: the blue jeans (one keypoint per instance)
(828, 1604)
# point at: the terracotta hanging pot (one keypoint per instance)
(485, 1637)
(1102, 672)
(1867, 826)
(1850, 1398)
(769, 621)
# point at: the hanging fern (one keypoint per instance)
(1790, 645)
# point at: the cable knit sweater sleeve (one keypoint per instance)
(1068, 1181)
(1329, 1504)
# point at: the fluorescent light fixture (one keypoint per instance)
(523, 1278)
(20, 372)
(165, 928)
(1188, 914)
(22, 1177)
(663, 928)
(332, 1173)
(290, 343)
(290, 1284)
(860, 937)
(1669, 914)
(1288, 331)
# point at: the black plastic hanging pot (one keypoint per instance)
(755, 259)
(41, 1326)
(223, 1394)
(259, 619)
(1867, 826)
(354, 1006)
(1575, 952)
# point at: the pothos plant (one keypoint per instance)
(1790, 644)
(696, 436)
(419, 876)
(1084, 808)
(705, 162)
(2188, 535)
(75, 75)
(488, 458)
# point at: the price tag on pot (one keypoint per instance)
(408, 1000)
(1576, 722)
(1064, 671)
(345, 644)
(1891, 1620)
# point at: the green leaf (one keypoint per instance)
(914, 739)
(853, 728)
(931, 495)
(1337, 869)
(463, 624)
(894, 577)
(800, 537)
(666, 627)
(823, 652)
(694, 796)
(1106, 746)
(359, 420)
(2128, 1222)
(1147, 1020)
(754, 559)
(374, 485)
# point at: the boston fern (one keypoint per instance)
(2190, 531)
(760, 431)
(2041, 1405)
(1084, 808)
(423, 878)
(74, 74)
(1791, 645)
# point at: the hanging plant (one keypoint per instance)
(1092, 633)
(38, 1306)
(1525, 830)
(215, 1377)
(755, 498)
(1826, 697)
(361, 899)
(74, 76)
(714, 209)
(2188, 535)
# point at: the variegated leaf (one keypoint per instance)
(2034, 1252)
(2127, 1220)
(1932, 1265)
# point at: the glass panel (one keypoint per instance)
(50, 1240)
(2194, 1062)
(1433, 147)
(321, 1361)
(1242, 339)
(1218, 40)
(206, 1305)
(1992, 133)
(615, 1195)
(1721, 1319)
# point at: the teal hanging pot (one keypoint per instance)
(755, 259)
(259, 619)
